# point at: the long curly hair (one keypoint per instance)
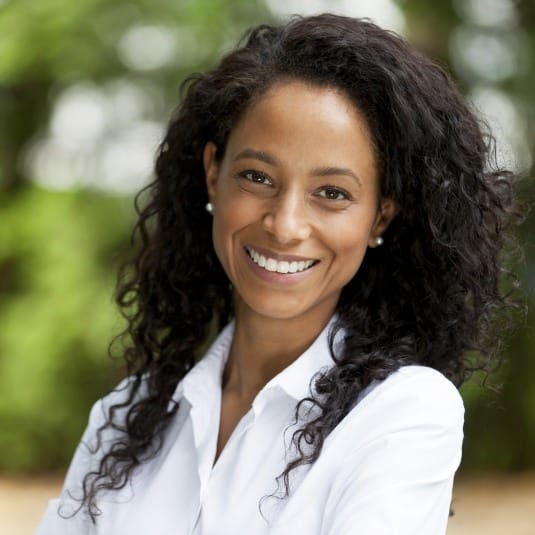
(431, 295)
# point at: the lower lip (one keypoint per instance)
(276, 277)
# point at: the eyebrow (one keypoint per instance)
(257, 155)
(330, 171)
(317, 171)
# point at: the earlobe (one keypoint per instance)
(210, 169)
(386, 213)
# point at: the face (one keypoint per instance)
(296, 201)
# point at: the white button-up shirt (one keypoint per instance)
(386, 469)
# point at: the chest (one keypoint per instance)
(232, 411)
(208, 483)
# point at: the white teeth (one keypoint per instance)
(270, 264)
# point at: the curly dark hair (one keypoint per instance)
(430, 295)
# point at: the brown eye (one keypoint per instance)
(334, 194)
(255, 176)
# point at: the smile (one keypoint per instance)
(280, 266)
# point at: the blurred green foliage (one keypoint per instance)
(57, 270)
(59, 250)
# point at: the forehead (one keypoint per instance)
(306, 124)
(306, 100)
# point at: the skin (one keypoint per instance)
(298, 177)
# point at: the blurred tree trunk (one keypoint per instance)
(24, 109)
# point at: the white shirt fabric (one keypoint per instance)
(386, 469)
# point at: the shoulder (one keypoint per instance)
(98, 435)
(418, 387)
(392, 459)
(120, 399)
(415, 400)
(414, 417)
(62, 513)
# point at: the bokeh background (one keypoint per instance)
(86, 88)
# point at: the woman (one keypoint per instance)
(324, 192)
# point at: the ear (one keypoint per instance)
(211, 169)
(386, 212)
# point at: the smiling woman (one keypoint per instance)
(348, 255)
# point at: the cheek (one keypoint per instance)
(349, 250)
(220, 235)
(352, 256)
(236, 210)
(227, 223)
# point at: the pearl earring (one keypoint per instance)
(209, 207)
(379, 240)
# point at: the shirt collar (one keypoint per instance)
(204, 379)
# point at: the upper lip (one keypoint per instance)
(279, 256)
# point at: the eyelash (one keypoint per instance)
(338, 191)
(261, 178)
(255, 174)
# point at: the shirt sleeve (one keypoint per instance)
(398, 481)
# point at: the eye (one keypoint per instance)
(332, 193)
(254, 176)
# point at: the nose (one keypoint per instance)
(286, 218)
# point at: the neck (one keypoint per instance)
(263, 347)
